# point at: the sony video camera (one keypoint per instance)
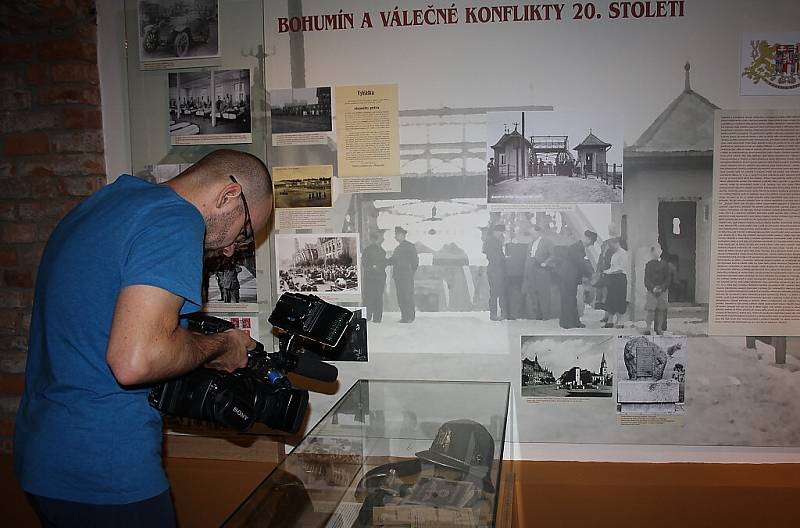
(259, 392)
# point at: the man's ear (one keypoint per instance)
(229, 193)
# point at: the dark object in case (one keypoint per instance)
(259, 392)
(463, 445)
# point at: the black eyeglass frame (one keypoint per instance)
(246, 235)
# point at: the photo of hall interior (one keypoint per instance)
(210, 102)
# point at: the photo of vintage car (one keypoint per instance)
(176, 33)
(178, 29)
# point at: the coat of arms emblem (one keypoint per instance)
(777, 65)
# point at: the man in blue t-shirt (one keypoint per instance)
(115, 276)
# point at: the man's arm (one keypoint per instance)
(146, 343)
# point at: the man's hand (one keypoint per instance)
(235, 356)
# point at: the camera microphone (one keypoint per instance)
(311, 366)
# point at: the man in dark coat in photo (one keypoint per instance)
(569, 266)
(496, 272)
(537, 280)
(374, 261)
(404, 261)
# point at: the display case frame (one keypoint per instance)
(392, 453)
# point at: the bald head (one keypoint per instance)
(219, 184)
(220, 165)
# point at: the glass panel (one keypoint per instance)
(392, 453)
(222, 36)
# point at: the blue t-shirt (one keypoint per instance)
(79, 435)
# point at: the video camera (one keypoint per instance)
(259, 392)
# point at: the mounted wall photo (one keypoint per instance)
(177, 30)
(210, 107)
(326, 265)
(554, 157)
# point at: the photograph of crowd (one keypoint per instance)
(209, 103)
(568, 269)
(314, 263)
(301, 110)
(178, 29)
(554, 157)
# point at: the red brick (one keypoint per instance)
(50, 4)
(28, 24)
(62, 165)
(15, 100)
(8, 256)
(25, 322)
(11, 122)
(13, 353)
(31, 211)
(82, 185)
(79, 141)
(16, 188)
(35, 169)
(17, 52)
(43, 186)
(11, 383)
(61, 17)
(83, 118)
(22, 144)
(87, 33)
(46, 226)
(69, 95)
(9, 80)
(12, 299)
(6, 169)
(17, 233)
(68, 49)
(45, 209)
(8, 210)
(9, 319)
(18, 278)
(38, 73)
(74, 72)
(30, 255)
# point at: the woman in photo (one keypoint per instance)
(616, 281)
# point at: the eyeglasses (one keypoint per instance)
(245, 239)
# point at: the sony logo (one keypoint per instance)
(238, 412)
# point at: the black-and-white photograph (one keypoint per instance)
(172, 30)
(567, 366)
(322, 264)
(209, 107)
(230, 282)
(554, 157)
(651, 374)
(466, 271)
(297, 110)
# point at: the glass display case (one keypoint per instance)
(392, 454)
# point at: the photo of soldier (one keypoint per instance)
(404, 262)
(496, 272)
(538, 282)
(374, 262)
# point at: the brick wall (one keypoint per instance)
(51, 141)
